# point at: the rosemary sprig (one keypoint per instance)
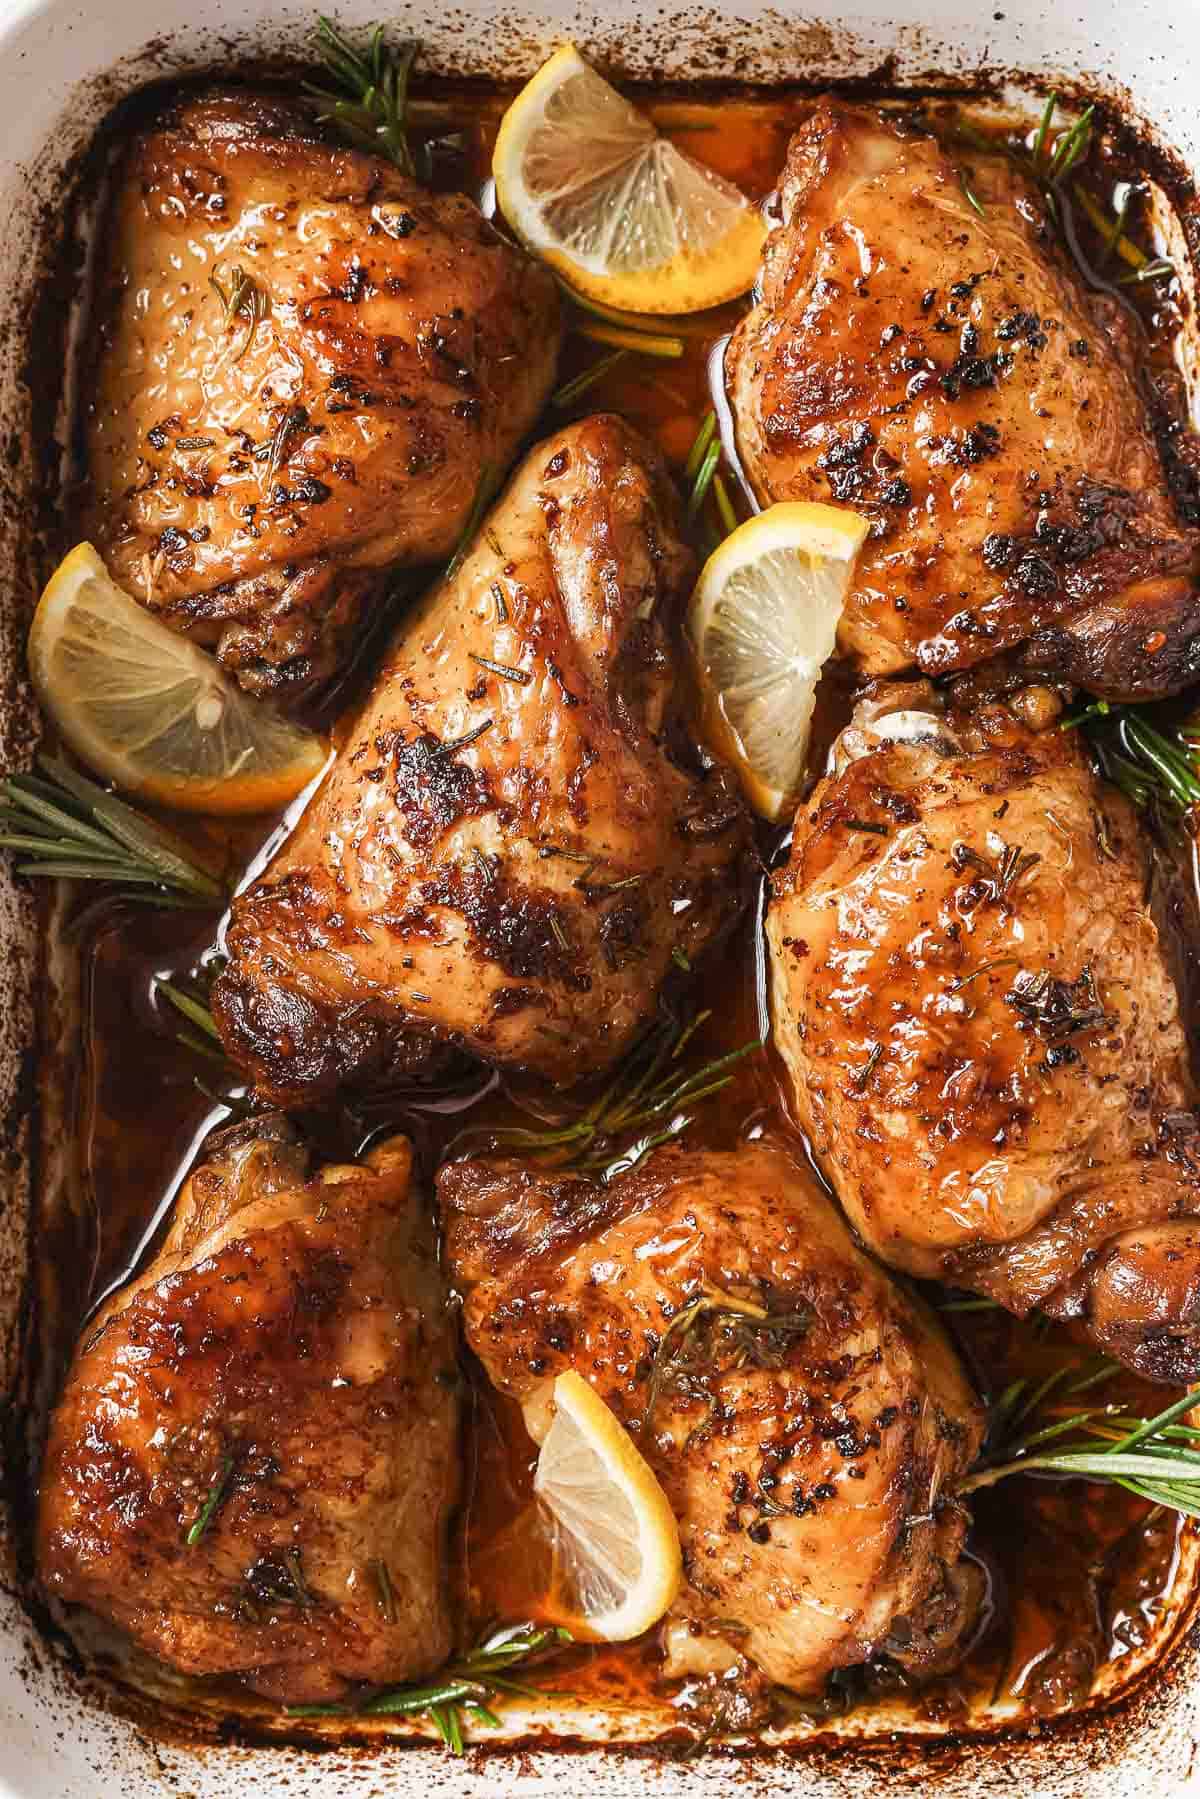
(1053, 164)
(1158, 770)
(651, 1093)
(243, 299)
(464, 1686)
(367, 100)
(750, 1333)
(69, 828)
(1156, 1458)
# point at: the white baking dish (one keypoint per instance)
(62, 65)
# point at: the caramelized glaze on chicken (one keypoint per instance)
(982, 1035)
(252, 1465)
(254, 470)
(809, 1445)
(515, 841)
(939, 368)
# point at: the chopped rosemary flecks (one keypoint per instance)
(750, 1335)
(971, 1303)
(1157, 1458)
(383, 1582)
(69, 828)
(452, 745)
(497, 593)
(559, 934)
(274, 451)
(865, 824)
(464, 1686)
(1056, 1007)
(964, 980)
(650, 1094)
(208, 1510)
(521, 676)
(863, 1075)
(368, 97)
(680, 959)
(1004, 874)
(488, 866)
(243, 299)
(573, 390)
(278, 1579)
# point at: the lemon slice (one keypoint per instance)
(626, 218)
(762, 623)
(150, 711)
(616, 1536)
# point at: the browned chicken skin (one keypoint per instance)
(508, 853)
(288, 1350)
(810, 1455)
(981, 1030)
(251, 481)
(944, 373)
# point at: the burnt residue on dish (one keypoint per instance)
(128, 1151)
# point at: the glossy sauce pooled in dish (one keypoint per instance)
(1069, 1576)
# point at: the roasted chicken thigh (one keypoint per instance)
(253, 1462)
(807, 1421)
(516, 839)
(306, 365)
(981, 1031)
(937, 365)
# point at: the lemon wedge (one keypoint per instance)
(150, 711)
(616, 1540)
(762, 623)
(623, 216)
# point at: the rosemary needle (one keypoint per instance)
(189, 1007)
(485, 488)
(572, 390)
(215, 1495)
(704, 479)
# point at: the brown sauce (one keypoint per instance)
(1076, 1573)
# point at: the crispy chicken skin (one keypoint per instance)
(263, 475)
(944, 373)
(287, 1349)
(515, 839)
(982, 1036)
(810, 1462)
